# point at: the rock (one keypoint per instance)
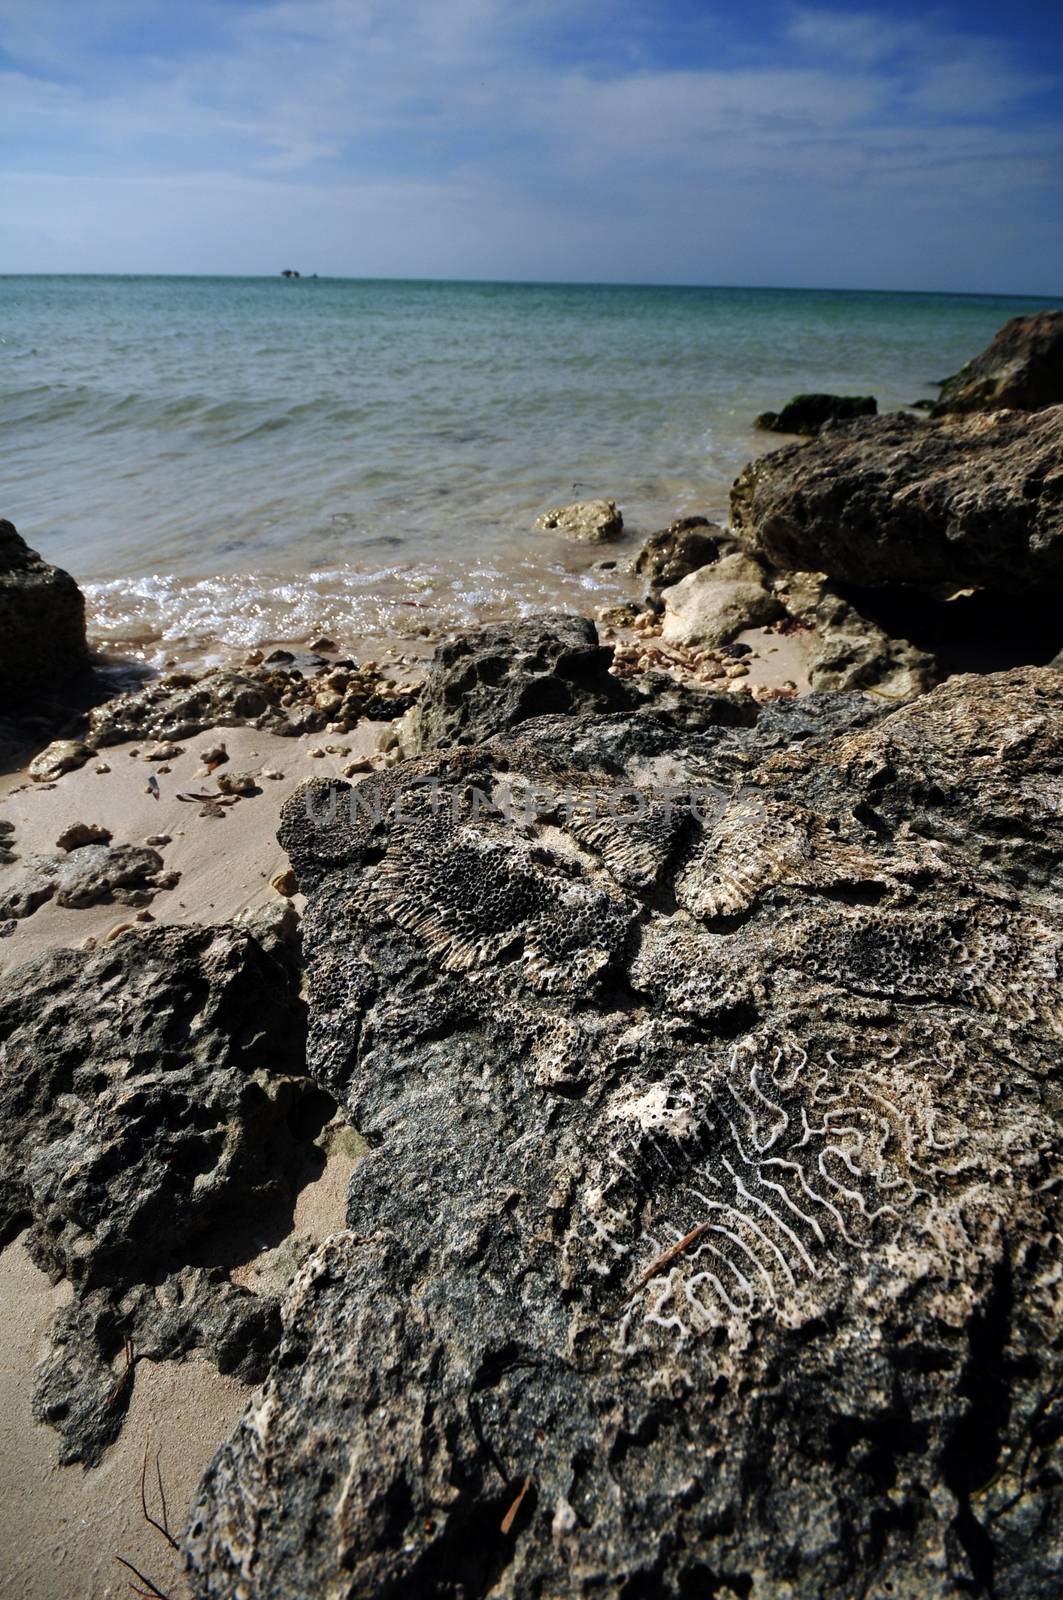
(808, 413)
(42, 623)
(710, 1234)
(498, 676)
(62, 755)
(91, 874)
(678, 550)
(588, 521)
(147, 1092)
(714, 603)
(1021, 368)
(850, 652)
(278, 696)
(969, 501)
(238, 783)
(285, 883)
(82, 833)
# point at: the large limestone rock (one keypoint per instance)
(966, 501)
(809, 413)
(1022, 368)
(716, 602)
(495, 677)
(42, 623)
(710, 1238)
(149, 1097)
(588, 521)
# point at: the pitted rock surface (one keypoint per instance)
(967, 501)
(495, 677)
(146, 1092)
(709, 1242)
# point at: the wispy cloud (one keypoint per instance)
(517, 128)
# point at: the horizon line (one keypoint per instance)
(547, 283)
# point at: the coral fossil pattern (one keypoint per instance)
(709, 1241)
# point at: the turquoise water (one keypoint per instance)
(231, 460)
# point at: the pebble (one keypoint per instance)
(240, 783)
(62, 756)
(285, 883)
(163, 752)
(79, 834)
(158, 840)
(102, 768)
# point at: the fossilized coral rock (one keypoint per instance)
(966, 501)
(145, 1093)
(710, 1238)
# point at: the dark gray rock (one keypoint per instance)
(42, 624)
(148, 1097)
(678, 550)
(496, 677)
(710, 1238)
(89, 875)
(969, 501)
(1022, 367)
(809, 413)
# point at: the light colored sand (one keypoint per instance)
(225, 864)
(61, 1527)
(778, 659)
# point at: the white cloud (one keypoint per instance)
(454, 130)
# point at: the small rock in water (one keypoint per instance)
(588, 521)
(322, 644)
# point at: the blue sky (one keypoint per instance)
(887, 146)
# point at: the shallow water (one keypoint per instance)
(222, 461)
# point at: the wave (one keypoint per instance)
(98, 411)
(166, 615)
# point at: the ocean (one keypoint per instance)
(223, 462)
